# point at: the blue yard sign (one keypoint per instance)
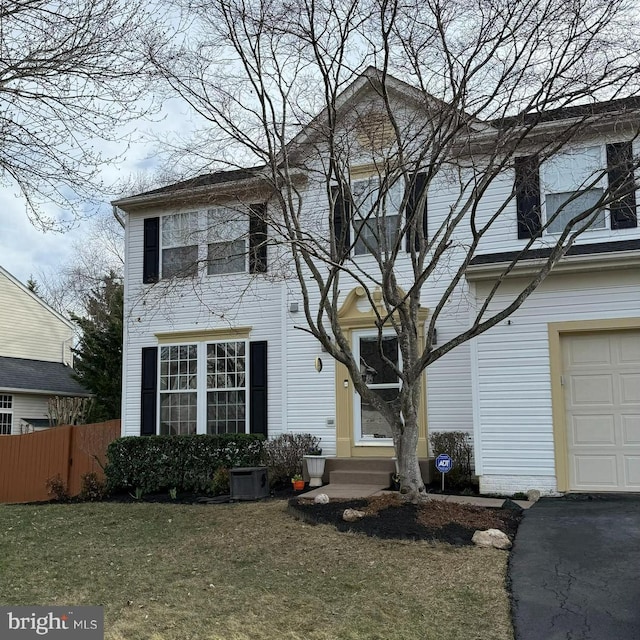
(444, 463)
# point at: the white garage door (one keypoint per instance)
(601, 378)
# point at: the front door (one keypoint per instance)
(377, 357)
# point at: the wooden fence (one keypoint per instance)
(28, 461)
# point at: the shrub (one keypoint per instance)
(220, 485)
(456, 444)
(93, 489)
(57, 488)
(283, 455)
(186, 463)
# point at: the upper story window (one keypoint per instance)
(227, 240)
(6, 414)
(572, 183)
(376, 215)
(552, 193)
(228, 233)
(180, 245)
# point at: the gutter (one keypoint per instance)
(568, 264)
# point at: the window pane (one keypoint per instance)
(227, 257)
(178, 413)
(225, 365)
(179, 368)
(180, 262)
(6, 401)
(5, 424)
(372, 421)
(226, 412)
(372, 365)
(370, 215)
(582, 202)
(225, 224)
(180, 229)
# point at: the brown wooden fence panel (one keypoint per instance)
(28, 461)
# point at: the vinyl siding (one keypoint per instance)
(30, 329)
(203, 303)
(28, 406)
(514, 414)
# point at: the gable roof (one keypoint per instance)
(33, 376)
(32, 295)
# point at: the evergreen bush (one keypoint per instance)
(186, 463)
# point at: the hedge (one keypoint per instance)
(187, 463)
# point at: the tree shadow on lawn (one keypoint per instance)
(390, 517)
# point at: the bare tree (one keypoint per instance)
(71, 75)
(432, 98)
(100, 251)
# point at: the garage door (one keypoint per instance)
(601, 378)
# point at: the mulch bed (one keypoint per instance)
(390, 517)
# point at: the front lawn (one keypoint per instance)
(246, 571)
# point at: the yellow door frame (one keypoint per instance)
(351, 318)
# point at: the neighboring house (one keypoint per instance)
(551, 395)
(35, 358)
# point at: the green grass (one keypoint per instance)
(245, 571)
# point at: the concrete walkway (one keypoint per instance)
(357, 491)
(574, 570)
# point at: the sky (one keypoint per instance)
(25, 250)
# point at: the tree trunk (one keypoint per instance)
(406, 444)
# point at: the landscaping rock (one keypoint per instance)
(510, 504)
(533, 495)
(321, 498)
(491, 538)
(351, 515)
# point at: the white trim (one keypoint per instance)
(358, 438)
(201, 390)
(284, 346)
(39, 300)
(475, 389)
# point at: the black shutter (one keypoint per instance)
(418, 185)
(258, 387)
(151, 246)
(341, 221)
(528, 196)
(258, 238)
(149, 391)
(622, 185)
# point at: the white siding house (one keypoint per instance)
(215, 338)
(35, 358)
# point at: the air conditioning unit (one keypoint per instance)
(249, 483)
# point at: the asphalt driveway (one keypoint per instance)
(575, 569)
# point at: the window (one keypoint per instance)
(6, 414)
(379, 374)
(226, 387)
(573, 182)
(227, 245)
(375, 214)
(233, 240)
(178, 389)
(222, 392)
(180, 245)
